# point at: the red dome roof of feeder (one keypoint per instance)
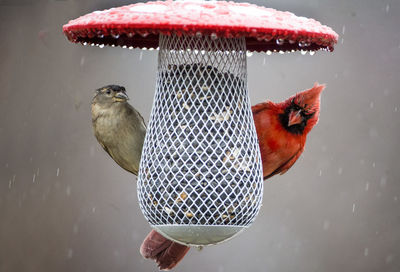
(139, 25)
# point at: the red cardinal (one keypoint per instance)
(282, 130)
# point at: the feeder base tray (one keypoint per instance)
(195, 235)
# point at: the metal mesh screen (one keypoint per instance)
(201, 163)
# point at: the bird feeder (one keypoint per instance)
(200, 178)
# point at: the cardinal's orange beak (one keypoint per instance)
(294, 118)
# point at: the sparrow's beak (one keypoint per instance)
(120, 97)
(294, 118)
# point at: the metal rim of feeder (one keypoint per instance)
(200, 178)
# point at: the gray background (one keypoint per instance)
(66, 206)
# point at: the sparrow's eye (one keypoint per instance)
(108, 92)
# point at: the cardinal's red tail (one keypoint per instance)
(166, 253)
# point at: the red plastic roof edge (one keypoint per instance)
(139, 25)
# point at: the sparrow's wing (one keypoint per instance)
(138, 115)
(105, 148)
(142, 119)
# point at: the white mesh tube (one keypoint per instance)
(200, 178)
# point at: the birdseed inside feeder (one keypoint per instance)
(200, 179)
